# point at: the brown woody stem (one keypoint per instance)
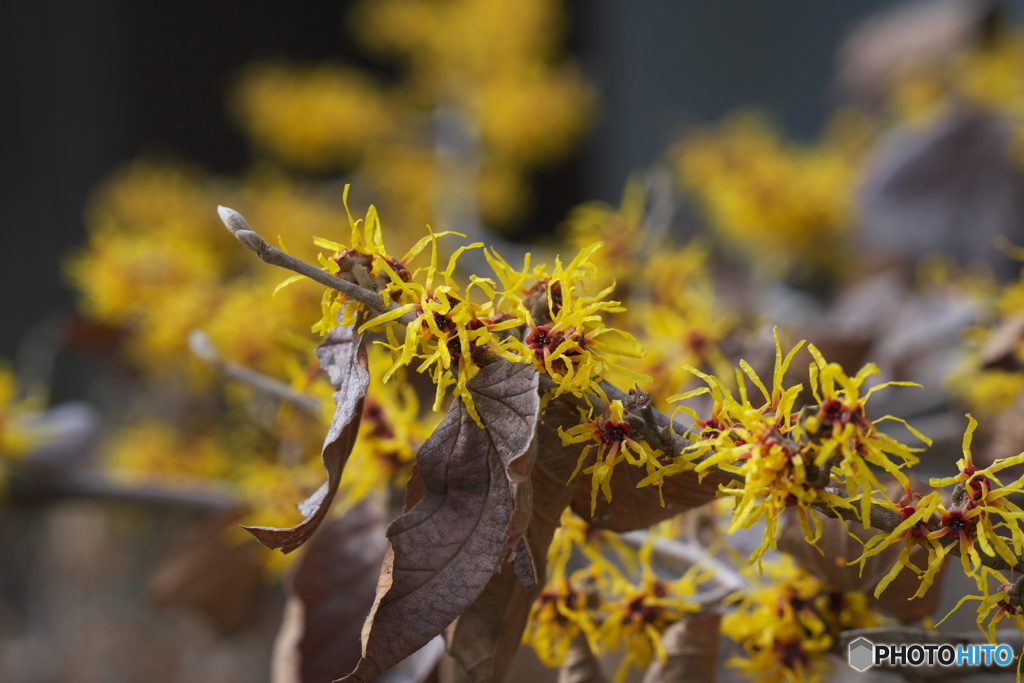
(268, 253)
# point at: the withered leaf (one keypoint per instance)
(332, 589)
(1000, 349)
(487, 635)
(212, 574)
(632, 508)
(443, 552)
(343, 356)
(580, 665)
(951, 188)
(691, 651)
(835, 568)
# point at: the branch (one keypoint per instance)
(203, 348)
(648, 424)
(267, 253)
(687, 554)
(194, 494)
(886, 519)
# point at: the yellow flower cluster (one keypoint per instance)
(784, 458)
(610, 433)
(159, 265)
(618, 603)
(317, 118)
(986, 75)
(561, 326)
(499, 71)
(979, 516)
(787, 624)
(782, 205)
(987, 387)
(1005, 600)
(669, 290)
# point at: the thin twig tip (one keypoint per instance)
(233, 220)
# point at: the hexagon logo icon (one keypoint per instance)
(862, 654)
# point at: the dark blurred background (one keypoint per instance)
(89, 86)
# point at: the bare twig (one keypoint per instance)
(674, 552)
(267, 253)
(195, 494)
(204, 349)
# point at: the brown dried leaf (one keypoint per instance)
(1000, 350)
(343, 355)
(487, 635)
(444, 551)
(332, 590)
(212, 574)
(691, 649)
(950, 188)
(834, 567)
(632, 508)
(580, 665)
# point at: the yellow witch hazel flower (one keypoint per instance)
(561, 611)
(979, 507)
(783, 460)
(978, 511)
(761, 446)
(566, 336)
(917, 513)
(449, 329)
(844, 440)
(1006, 601)
(637, 618)
(787, 624)
(610, 433)
(364, 262)
(557, 616)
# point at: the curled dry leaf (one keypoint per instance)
(487, 635)
(331, 591)
(213, 574)
(951, 187)
(632, 508)
(444, 551)
(343, 356)
(1000, 349)
(691, 651)
(580, 665)
(834, 567)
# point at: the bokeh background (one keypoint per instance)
(88, 88)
